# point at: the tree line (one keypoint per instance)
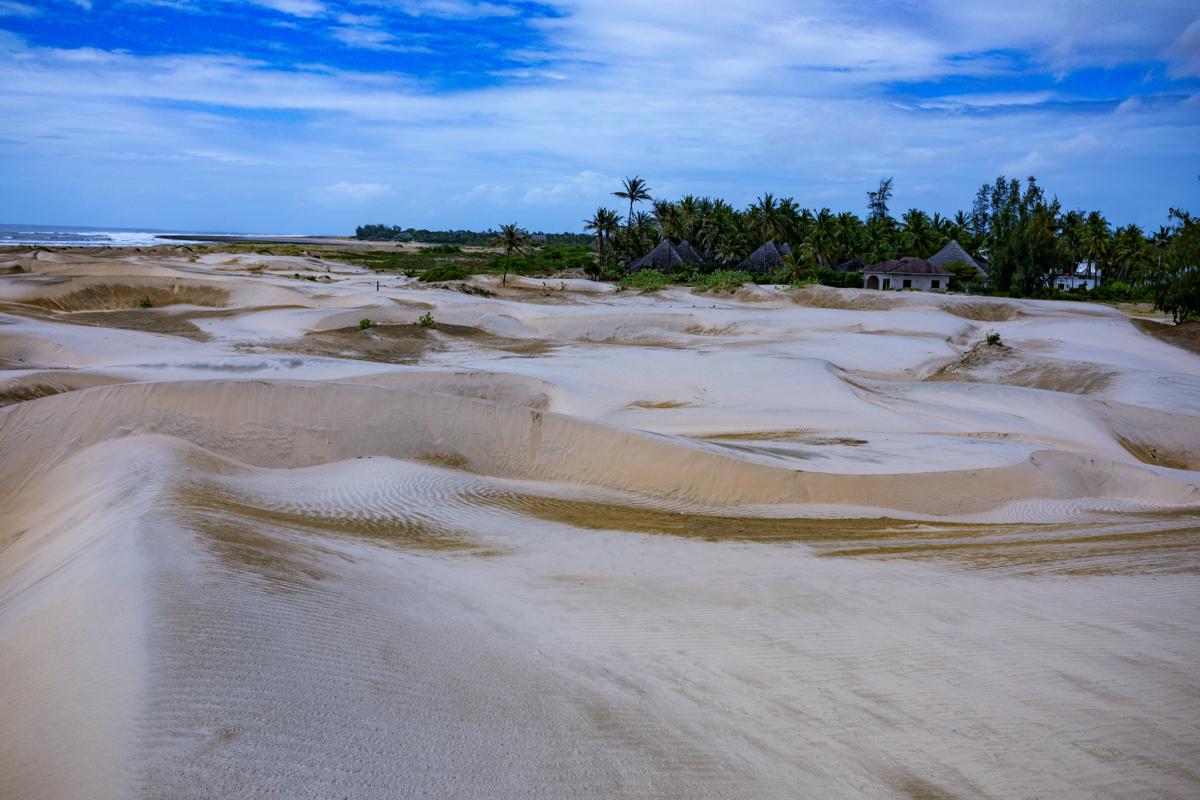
(385, 233)
(1023, 235)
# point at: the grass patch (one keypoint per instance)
(648, 280)
(446, 272)
(729, 280)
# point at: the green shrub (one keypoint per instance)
(364, 323)
(648, 280)
(729, 280)
(446, 272)
(441, 248)
(426, 321)
(144, 302)
(993, 338)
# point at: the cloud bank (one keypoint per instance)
(447, 113)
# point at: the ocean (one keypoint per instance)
(72, 236)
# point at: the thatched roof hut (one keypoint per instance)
(694, 254)
(906, 266)
(853, 265)
(660, 258)
(763, 260)
(666, 254)
(956, 252)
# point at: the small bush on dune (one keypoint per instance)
(729, 280)
(364, 323)
(426, 321)
(144, 302)
(993, 338)
(648, 280)
(446, 272)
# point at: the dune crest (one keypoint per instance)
(363, 537)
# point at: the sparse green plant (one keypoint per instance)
(648, 280)
(993, 338)
(446, 272)
(426, 321)
(145, 302)
(729, 280)
(365, 323)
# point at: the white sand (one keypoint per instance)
(579, 543)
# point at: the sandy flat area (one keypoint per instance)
(579, 543)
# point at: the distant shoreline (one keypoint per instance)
(333, 240)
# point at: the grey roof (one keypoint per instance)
(763, 260)
(694, 254)
(853, 265)
(661, 258)
(785, 249)
(907, 266)
(666, 254)
(955, 252)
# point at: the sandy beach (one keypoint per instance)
(574, 542)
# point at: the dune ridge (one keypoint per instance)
(289, 424)
(568, 541)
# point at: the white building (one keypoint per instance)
(907, 273)
(1086, 276)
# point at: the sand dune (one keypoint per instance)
(774, 544)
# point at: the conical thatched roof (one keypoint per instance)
(853, 265)
(785, 249)
(660, 258)
(956, 252)
(763, 260)
(694, 254)
(666, 254)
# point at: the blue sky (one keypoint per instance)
(313, 116)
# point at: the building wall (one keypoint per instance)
(1066, 282)
(923, 283)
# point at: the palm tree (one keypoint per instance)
(635, 191)
(1096, 239)
(918, 232)
(1160, 241)
(605, 223)
(513, 240)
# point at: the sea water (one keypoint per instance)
(71, 236)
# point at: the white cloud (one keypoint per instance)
(356, 192)
(356, 19)
(297, 8)
(1185, 52)
(994, 99)
(8, 8)
(1056, 156)
(457, 9)
(368, 38)
(585, 185)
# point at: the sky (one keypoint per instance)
(315, 116)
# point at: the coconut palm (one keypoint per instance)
(1096, 239)
(1161, 240)
(513, 240)
(920, 237)
(635, 190)
(605, 223)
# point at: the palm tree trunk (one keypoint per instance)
(629, 238)
(504, 280)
